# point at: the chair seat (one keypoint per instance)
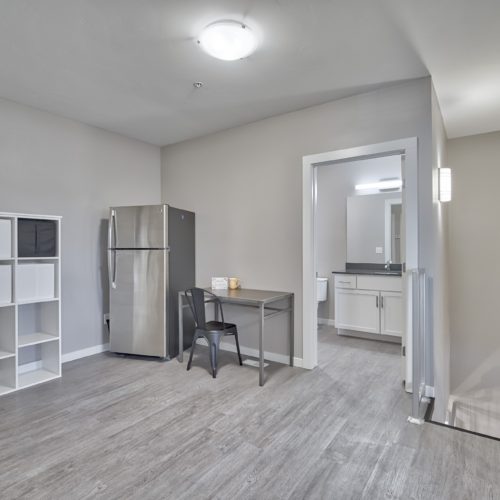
(219, 326)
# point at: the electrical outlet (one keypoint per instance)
(379, 249)
(106, 318)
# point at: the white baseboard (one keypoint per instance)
(326, 321)
(254, 353)
(83, 353)
(225, 346)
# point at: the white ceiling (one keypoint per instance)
(129, 65)
(459, 43)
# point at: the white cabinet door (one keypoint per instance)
(391, 314)
(357, 310)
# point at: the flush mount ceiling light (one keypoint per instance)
(228, 40)
(381, 185)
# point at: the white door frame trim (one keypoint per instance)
(407, 147)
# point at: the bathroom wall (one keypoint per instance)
(335, 183)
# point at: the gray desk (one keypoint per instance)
(263, 301)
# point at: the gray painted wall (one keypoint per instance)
(474, 264)
(245, 185)
(335, 183)
(435, 229)
(52, 165)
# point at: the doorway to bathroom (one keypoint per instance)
(362, 256)
(359, 258)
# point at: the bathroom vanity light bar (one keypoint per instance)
(389, 184)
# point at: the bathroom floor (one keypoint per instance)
(334, 346)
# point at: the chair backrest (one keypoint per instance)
(196, 301)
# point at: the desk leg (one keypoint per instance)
(180, 357)
(261, 345)
(292, 329)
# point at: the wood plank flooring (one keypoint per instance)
(125, 428)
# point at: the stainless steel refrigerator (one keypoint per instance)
(151, 257)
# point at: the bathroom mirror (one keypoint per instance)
(374, 228)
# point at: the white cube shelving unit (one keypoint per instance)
(30, 309)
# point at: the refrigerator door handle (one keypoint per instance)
(112, 230)
(112, 253)
(112, 268)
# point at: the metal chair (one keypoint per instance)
(213, 331)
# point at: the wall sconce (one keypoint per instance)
(444, 184)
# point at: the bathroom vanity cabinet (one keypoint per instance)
(371, 304)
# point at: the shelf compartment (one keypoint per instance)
(6, 238)
(35, 338)
(38, 322)
(7, 375)
(37, 237)
(7, 332)
(36, 281)
(5, 284)
(34, 377)
(46, 367)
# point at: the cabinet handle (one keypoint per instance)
(381, 302)
(376, 301)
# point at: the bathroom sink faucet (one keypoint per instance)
(388, 265)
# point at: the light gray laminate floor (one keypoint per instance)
(122, 428)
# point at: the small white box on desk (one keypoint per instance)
(5, 239)
(220, 283)
(35, 282)
(5, 284)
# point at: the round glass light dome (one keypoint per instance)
(228, 40)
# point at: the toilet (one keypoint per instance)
(321, 289)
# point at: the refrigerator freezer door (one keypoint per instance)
(138, 227)
(138, 303)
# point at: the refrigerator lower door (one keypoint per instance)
(138, 302)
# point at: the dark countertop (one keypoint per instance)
(370, 269)
(369, 272)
